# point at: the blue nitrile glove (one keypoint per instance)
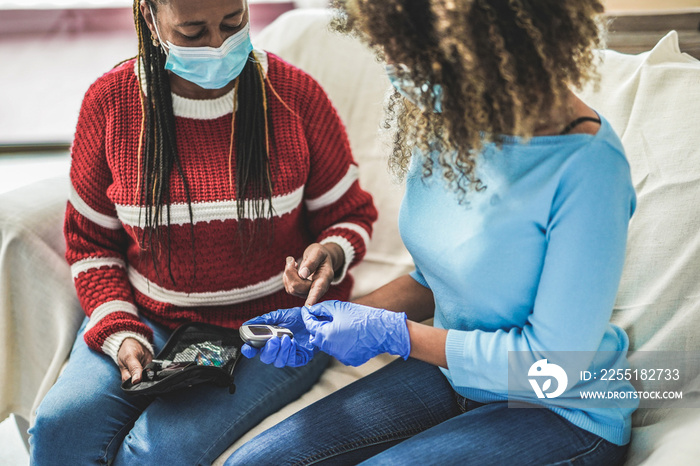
(284, 351)
(354, 334)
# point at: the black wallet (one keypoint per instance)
(195, 353)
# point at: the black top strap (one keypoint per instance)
(577, 122)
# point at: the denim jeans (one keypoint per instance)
(407, 413)
(86, 418)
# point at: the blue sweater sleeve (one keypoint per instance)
(586, 239)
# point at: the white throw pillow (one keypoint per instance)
(653, 102)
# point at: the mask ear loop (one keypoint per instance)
(155, 25)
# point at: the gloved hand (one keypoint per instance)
(283, 351)
(353, 333)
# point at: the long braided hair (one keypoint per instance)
(158, 156)
(501, 65)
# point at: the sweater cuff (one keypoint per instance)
(457, 357)
(348, 252)
(113, 342)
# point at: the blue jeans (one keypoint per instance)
(407, 413)
(86, 418)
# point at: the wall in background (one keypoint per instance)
(650, 4)
(638, 25)
(51, 56)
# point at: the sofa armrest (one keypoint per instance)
(39, 310)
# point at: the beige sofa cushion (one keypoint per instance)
(356, 84)
(39, 311)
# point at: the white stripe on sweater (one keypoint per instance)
(336, 192)
(207, 298)
(112, 343)
(209, 211)
(95, 263)
(364, 234)
(110, 307)
(349, 255)
(91, 214)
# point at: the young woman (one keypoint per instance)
(518, 198)
(197, 168)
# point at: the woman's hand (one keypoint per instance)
(131, 359)
(353, 333)
(312, 277)
(283, 351)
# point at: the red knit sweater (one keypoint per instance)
(317, 198)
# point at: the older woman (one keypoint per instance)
(197, 168)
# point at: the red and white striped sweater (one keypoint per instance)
(317, 198)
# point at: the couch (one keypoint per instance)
(651, 99)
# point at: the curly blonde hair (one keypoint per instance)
(501, 65)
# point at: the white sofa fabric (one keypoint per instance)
(651, 99)
(653, 102)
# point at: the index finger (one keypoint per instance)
(319, 286)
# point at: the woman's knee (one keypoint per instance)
(59, 431)
(58, 416)
(80, 426)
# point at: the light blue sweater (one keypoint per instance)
(531, 265)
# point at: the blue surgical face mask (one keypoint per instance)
(209, 67)
(399, 78)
